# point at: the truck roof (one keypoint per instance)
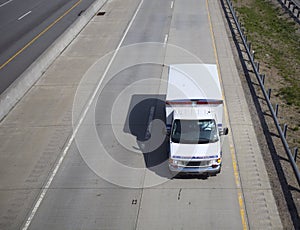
(193, 81)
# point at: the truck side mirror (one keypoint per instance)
(225, 131)
(167, 132)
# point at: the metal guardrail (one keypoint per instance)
(267, 95)
(293, 6)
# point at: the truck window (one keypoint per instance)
(194, 131)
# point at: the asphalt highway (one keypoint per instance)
(25, 33)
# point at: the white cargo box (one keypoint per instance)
(193, 81)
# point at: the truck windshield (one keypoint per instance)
(194, 131)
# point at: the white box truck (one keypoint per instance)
(194, 119)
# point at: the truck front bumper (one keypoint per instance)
(194, 170)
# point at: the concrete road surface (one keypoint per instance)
(113, 173)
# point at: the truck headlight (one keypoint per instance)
(216, 162)
(173, 162)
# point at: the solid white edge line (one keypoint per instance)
(24, 15)
(3, 4)
(57, 166)
(172, 4)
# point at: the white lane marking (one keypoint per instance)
(166, 38)
(172, 4)
(3, 4)
(57, 166)
(24, 15)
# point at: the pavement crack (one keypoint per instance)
(179, 194)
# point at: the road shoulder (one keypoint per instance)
(261, 209)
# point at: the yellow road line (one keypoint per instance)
(239, 190)
(232, 149)
(39, 35)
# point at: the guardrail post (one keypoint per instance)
(253, 55)
(262, 77)
(284, 130)
(269, 93)
(295, 153)
(276, 110)
(249, 46)
(257, 66)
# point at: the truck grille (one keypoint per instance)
(197, 163)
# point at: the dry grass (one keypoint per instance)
(275, 37)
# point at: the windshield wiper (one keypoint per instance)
(203, 141)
